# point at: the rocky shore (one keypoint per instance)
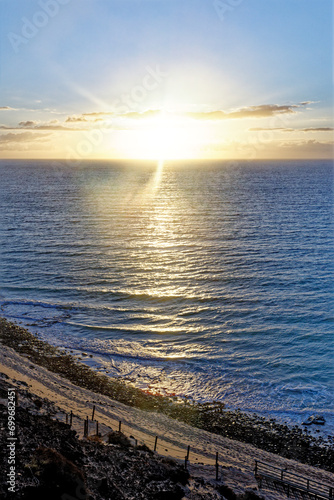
(292, 443)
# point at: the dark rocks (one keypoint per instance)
(315, 419)
(163, 490)
(38, 403)
(229, 494)
(56, 475)
(51, 464)
(118, 438)
(146, 449)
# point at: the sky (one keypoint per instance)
(166, 79)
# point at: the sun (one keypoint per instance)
(164, 138)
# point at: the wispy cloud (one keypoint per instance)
(318, 129)
(75, 119)
(261, 111)
(34, 125)
(307, 142)
(82, 118)
(22, 137)
(99, 113)
(28, 124)
(282, 129)
(309, 145)
(260, 129)
(23, 141)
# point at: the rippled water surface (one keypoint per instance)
(211, 280)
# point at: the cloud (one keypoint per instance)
(308, 149)
(260, 129)
(28, 124)
(309, 142)
(282, 129)
(99, 113)
(33, 125)
(57, 127)
(305, 103)
(81, 118)
(261, 111)
(32, 110)
(74, 119)
(23, 136)
(318, 129)
(22, 140)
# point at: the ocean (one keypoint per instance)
(210, 280)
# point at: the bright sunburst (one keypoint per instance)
(164, 138)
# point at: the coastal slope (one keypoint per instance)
(236, 459)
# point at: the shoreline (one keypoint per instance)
(265, 434)
(266, 407)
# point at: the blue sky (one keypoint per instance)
(252, 60)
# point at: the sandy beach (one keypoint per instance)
(235, 458)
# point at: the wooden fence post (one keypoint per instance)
(120, 426)
(93, 413)
(156, 442)
(186, 458)
(97, 428)
(217, 465)
(71, 417)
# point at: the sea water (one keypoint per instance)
(207, 280)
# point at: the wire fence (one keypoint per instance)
(91, 427)
(289, 481)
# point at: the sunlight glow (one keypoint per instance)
(164, 138)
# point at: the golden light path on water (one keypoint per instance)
(153, 237)
(149, 221)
